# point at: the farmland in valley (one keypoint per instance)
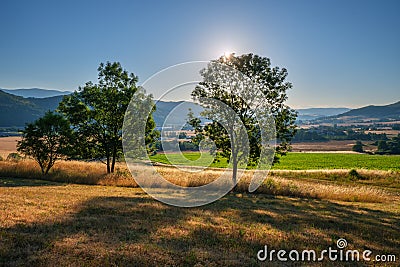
(298, 161)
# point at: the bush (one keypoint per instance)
(14, 157)
(358, 147)
(354, 175)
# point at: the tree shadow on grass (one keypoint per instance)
(139, 231)
(19, 182)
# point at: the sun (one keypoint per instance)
(227, 54)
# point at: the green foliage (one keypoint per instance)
(354, 175)
(325, 133)
(195, 123)
(382, 146)
(187, 145)
(358, 147)
(96, 112)
(14, 157)
(271, 81)
(182, 135)
(306, 135)
(389, 147)
(46, 140)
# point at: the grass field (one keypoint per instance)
(307, 161)
(190, 159)
(56, 224)
(343, 185)
(298, 161)
(81, 216)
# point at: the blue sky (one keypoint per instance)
(338, 53)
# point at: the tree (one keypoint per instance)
(395, 145)
(46, 140)
(182, 135)
(96, 112)
(358, 147)
(382, 146)
(389, 147)
(269, 80)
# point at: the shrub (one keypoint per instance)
(14, 157)
(358, 147)
(354, 175)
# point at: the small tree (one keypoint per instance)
(46, 140)
(14, 157)
(358, 147)
(382, 146)
(96, 112)
(395, 145)
(182, 135)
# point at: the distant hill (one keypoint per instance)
(389, 112)
(35, 92)
(16, 111)
(26, 105)
(179, 116)
(315, 113)
(47, 103)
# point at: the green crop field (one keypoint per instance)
(190, 159)
(295, 161)
(307, 161)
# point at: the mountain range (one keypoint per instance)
(35, 92)
(179, 113)
(15, 111)
(20, 106)
(389, 112)
(307, 114)
(370, 113)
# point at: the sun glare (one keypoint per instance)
(227, 54)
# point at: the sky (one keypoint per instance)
(337, 53)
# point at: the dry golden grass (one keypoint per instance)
(323, 184)
(51, 224)
(69, 172)
(72, 171)
(277, 185)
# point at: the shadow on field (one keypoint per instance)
(19, 182)
(138, 231)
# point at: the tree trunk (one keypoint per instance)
(235, 168)
(114, 156)
(41, 166)
(47, 169)
(108, 160)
